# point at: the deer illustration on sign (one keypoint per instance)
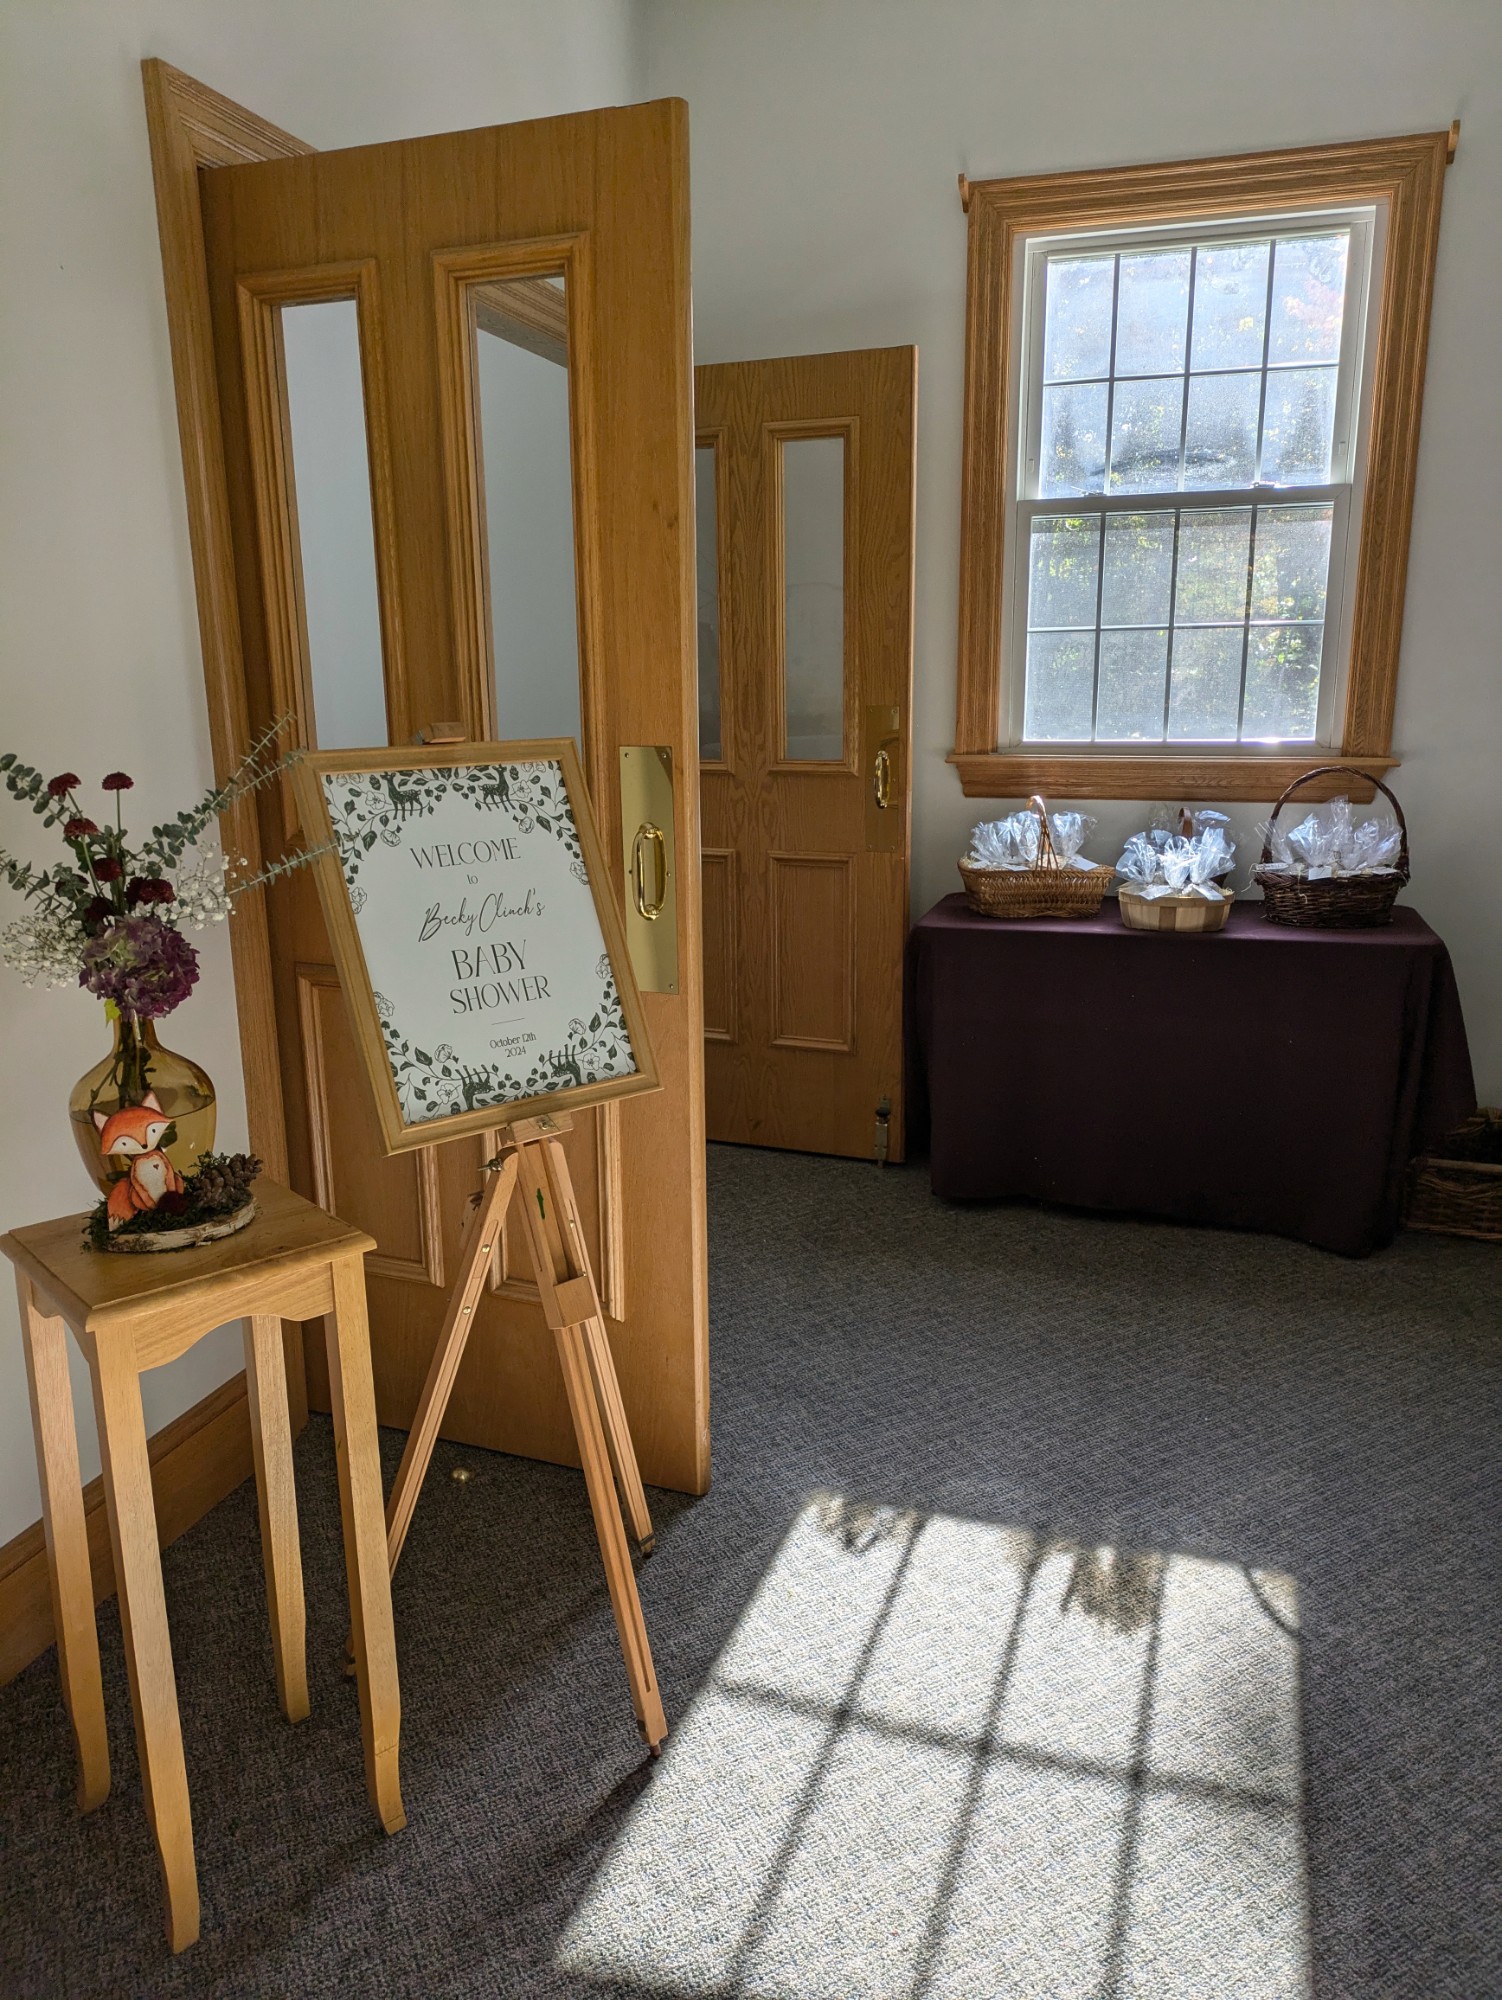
(135, 1133)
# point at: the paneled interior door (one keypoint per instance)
(454, 375)
(804, 489)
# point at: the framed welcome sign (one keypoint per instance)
(475, 933)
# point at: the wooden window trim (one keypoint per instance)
(1406, 176)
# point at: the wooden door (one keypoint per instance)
(454, 376)
(804, 486)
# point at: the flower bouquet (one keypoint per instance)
(112, 917)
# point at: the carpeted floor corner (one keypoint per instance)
(1241, 1403)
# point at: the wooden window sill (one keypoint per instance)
(1014, 774)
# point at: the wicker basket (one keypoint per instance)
(1052, 889)
(1341, 902)
(1457, 1191)
(1174, 913)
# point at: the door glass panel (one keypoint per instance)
(707, 544)
(522, 389)
(336, 538)
(813, 557)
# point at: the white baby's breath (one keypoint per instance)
(203, 895)
(47, 944)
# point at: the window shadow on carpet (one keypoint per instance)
(949, 1760)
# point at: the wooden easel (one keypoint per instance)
(532, 1159)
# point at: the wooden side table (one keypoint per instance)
(131, 1313)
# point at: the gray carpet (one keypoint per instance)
(1062, 1382)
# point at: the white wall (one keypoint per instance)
(100, 667)
(826, 137)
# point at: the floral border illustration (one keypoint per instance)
(370, 806)
(436, 1084)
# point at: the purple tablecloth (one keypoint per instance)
(1258, 1078)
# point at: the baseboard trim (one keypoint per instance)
(195, 1461)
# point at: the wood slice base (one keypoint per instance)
(146, 1242)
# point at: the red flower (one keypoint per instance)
(109, 869)
(79, 829)
(117, 782)
(95, 911)
(147, 889)
(60, 786)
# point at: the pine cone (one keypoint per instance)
(221, 1182)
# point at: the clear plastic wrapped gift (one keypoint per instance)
(1159, 863)
(1013, 842)
(1329, 843)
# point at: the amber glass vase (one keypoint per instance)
(135, 1065)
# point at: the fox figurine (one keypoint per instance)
(134, 1133)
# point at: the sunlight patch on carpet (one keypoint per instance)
(945, 1760)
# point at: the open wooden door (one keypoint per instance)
(805, 491)
(454, 374)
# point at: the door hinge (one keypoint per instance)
(883, 1130)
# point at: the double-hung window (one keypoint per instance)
(1188, 444)
(1191, 430)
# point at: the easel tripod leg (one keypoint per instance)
(618, 1435)
(620, 1578)
(479, 1242)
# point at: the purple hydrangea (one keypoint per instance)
(145, 966)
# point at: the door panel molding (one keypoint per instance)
(418, 1170)
(791, 965)
(720, 877)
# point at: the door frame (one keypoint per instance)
(191, 126)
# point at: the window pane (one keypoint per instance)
(1133, 676)
(1077, 318)
(1213, 552)
(1282, 683)
(1298, 426)
(1220, 439)
(1072, 453)
(1065, 560)
(331, 473)
(1292, 564)
(1139, 569)
(813, 556)
(522, 386)
(1230, 305)
(1145, 424)
(1060, 687)
(1309, 285)
(707, 548)
(1206, 683)
(1151, 311)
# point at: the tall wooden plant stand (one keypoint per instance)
(129, 1314)
(531, 1163)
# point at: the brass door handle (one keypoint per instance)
(648, 835)
(881, 780)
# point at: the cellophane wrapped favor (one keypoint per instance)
(1013, 842)
(1159, 863)
(1329, 844)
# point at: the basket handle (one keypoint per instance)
(1324, 771)
(1046, 855)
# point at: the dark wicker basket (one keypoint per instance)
(1457, 1189)
(1341, 902)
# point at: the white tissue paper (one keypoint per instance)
(1013, 842)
